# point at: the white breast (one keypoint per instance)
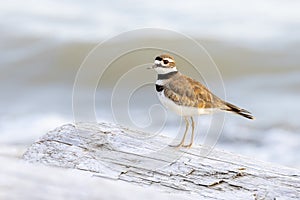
(182, 110)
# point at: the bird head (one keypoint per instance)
(164, 64)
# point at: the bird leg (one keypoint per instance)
(192, 136)
(183, 138)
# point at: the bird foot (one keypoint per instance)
(182, 145)
(177, 145)
(188, 145)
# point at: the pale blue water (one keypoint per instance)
(42, 44)
(249, 22)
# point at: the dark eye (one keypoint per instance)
(166, 62)
(158, 58)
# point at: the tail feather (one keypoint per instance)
(232, 108)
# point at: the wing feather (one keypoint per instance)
(188, 92)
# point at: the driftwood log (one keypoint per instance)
(25, 181)
(111, 152)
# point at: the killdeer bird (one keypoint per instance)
(186, 96)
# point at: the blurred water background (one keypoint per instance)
(255, 45)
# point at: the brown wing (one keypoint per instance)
(188, 92)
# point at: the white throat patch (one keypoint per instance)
(164, 70)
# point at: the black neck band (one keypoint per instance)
(159, 88)
(166, 76)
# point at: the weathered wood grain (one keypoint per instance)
(25, 181)
(113, 152)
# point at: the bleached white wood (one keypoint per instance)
(24, 181)
(110, 151)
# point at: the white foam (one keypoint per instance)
(27, 129)
(245, 22)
